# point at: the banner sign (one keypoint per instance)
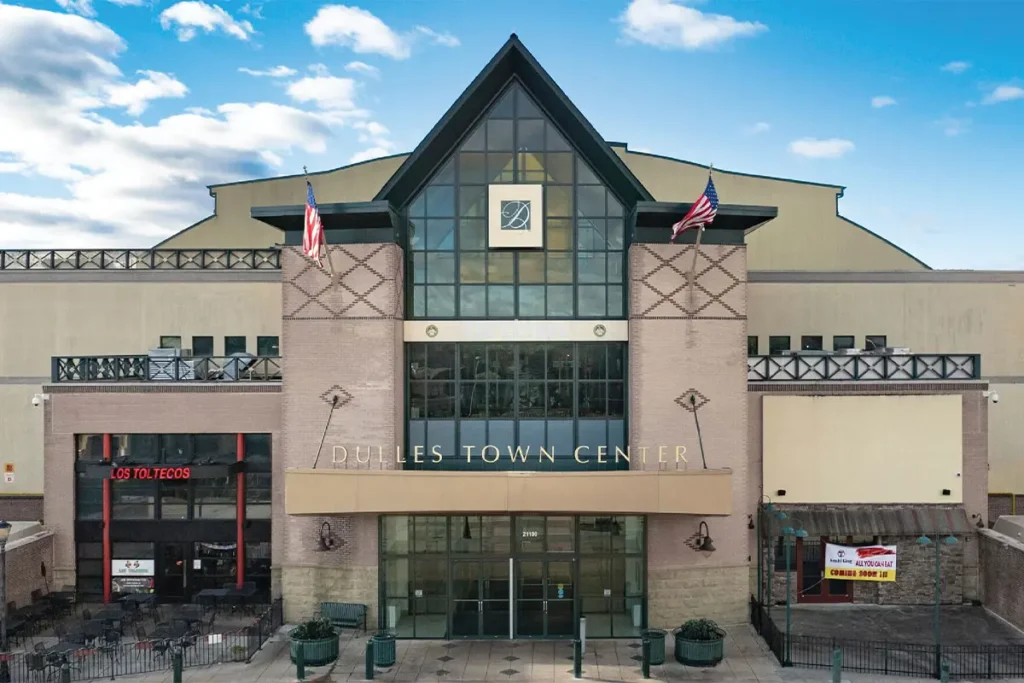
(133, 567)
(862, 563)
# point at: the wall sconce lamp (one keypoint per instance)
(704, 543)
(327, 540)
(750, 521)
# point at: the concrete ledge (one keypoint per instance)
(344, 492)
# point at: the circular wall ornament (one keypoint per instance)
(431, 331)
(600, 330)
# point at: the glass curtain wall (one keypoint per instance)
(496, 406)
(480, 576)
(578, 273)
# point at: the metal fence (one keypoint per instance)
(142, 368)
(111, 661)
(140, 259)
(864, 368)
(921, 660)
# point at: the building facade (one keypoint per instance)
(503, 403)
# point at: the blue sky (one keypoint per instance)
(916, 107)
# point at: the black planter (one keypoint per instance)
(701, 653)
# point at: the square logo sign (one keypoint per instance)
(515, 214)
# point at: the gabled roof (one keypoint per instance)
(513, 60)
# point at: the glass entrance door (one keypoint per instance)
(545, 598)
(480, 592)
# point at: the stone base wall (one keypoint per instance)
(915, 576)
(1002, 565)
(305, 587)
(21, 508)
(681, 593)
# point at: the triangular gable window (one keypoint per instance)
(455, 271)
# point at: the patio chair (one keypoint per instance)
(208, 626)
(37, 667)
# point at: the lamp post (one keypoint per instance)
(765, 513)
(794, 530)
(948, 540)
(5, 672)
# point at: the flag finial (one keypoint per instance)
(710, 168)
(304, 171)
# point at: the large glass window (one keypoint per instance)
(578, 273)
(90, 570)
(551, 406)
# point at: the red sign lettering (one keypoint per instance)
(150, 473)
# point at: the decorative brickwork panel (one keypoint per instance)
(367, 283)
(659, 282)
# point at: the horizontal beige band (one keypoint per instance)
(516, 330)
(342, 492)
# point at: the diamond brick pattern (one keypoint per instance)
(343, 396)
(366, 283)
(510, 658)
(661, 287)
(445, 658)
(698, 402)
(510, 672)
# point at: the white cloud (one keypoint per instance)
(86, 9)
(956, 67)
(363, 68)
(135, 97)
(758, 128)
(365, 33)
(1004, 93)
(124, 185)
(812, 148)
(668, 24)
(253, 10)
(882, 101)
(272, 72)
(953, 127)
(446, 39)
(327, 92)
(375, 135)
(191, 15)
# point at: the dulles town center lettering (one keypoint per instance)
(493, 454)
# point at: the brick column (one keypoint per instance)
(343, 339)
(682, 348)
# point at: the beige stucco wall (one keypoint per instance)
(115, 313)
(231, 225)
(928, 317)
(831, 449)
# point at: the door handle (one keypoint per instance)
(480, 605)
(545, 606)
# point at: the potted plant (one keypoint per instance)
(238, 653)
(699, 642)
(318, 639)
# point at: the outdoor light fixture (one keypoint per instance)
(750, 521)
(5, 533)
(704, 536)
(466, 534)
(793, 531)
(326, 539)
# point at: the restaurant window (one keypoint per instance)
(875, 341)
(268, 346)
(257, 495)
(136, 449)
(89, 498)
(214, 449)
(811, 343)
(133, 499)
(841, 342)
(174, 499)
(202, 346)
(131, 551)
(257, 449)
(89, 570)
(176, 449)
(169, 342)
(777, 345)
(233, 345)
(752, 345)
(257, 566)
(215, 498)
(214, 564)
(89, 447)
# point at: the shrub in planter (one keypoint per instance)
(699, 642)
(319, 640)
(238, 653)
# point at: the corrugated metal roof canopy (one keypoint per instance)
(879, 521)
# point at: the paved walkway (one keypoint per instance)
(747, 660)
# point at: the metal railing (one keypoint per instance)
(921, 660)
(114, 660)
(864, 368)
(141, 259)
(142, 368)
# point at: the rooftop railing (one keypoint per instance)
(864, 367)
(141, 259)
(144, 368)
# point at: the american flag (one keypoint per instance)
(313, 235)
(701, 213)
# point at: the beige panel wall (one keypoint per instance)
(947, 317)
(831, 449)
(682, 347)
(231, 225)
(806, 235)
(110, 317)
(128, 409)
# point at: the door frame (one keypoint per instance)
(477, 560)
(826, 597)
(546, 559)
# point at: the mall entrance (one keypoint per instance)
(512, 576)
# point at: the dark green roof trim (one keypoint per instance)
(841, 188)
(513, 61)
(877, 236)
(659, 216)
(164, 241)
(211, 188)
(342, 216)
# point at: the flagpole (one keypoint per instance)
(327, 250)
(696, 250)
